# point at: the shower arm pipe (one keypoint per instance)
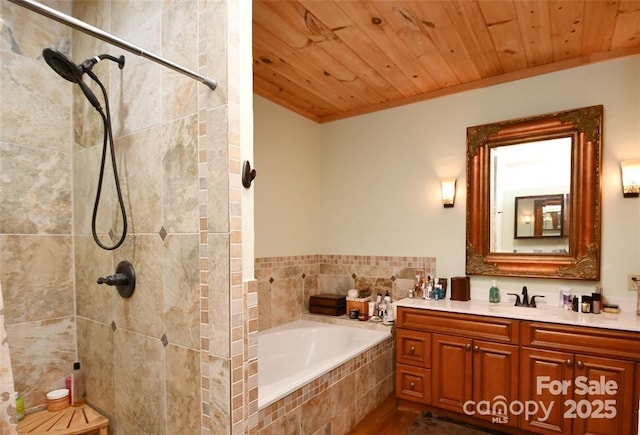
(111, 39)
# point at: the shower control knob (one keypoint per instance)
(124, 279)
(116, 279)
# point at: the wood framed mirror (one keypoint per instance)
(557, 153)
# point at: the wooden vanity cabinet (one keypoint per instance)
(445, 359)
(598, 395)
(636, 402)
(461, 363)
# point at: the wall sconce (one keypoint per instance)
(630, 178)
(527, 218)
(448, 191)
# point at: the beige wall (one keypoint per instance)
(379, 173)
(288, 216)
(180, 355)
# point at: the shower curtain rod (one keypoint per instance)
(107, 37)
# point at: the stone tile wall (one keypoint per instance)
(286, 283)
(36, 226)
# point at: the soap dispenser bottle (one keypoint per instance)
(494, 293)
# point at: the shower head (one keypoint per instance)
(62, 65)
(69, 71)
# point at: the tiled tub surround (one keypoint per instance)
(336, 401)
(286, 283)
(296, 353)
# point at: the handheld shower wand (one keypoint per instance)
(68, 70)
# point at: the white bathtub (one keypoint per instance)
(294, 354)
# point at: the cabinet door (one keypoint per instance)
(603, 393)
(413, 348)
(452, 371)
(541, 371)
(495, 379)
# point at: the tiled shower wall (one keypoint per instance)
(286, 283)
(36, 226)
(178, 357)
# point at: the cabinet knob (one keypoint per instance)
(569, 363)
(412, 385)
(580, 364)
(476, 348)
(412, 349)
(468, 347)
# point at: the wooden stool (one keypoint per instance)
(74, 420)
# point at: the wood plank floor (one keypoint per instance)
(386, 419)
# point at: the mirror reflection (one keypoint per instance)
(539, 216)
(524, 216)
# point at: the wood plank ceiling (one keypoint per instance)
(329, 60)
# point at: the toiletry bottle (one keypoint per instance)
(429, 289)
(19, 406)
(417, 288)
(67, 385)
(494, 293)
(77, 385)
(595, 303)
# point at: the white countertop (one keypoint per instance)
(626, 320)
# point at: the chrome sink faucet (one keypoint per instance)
(525, 298)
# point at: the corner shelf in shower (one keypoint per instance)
(69, 421)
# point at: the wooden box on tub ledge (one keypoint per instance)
(333, 305)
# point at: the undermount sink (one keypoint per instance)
(522, 311)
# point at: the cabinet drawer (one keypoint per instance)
(413, 348)
(413, 383)
(583, 339)
(468, 325)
